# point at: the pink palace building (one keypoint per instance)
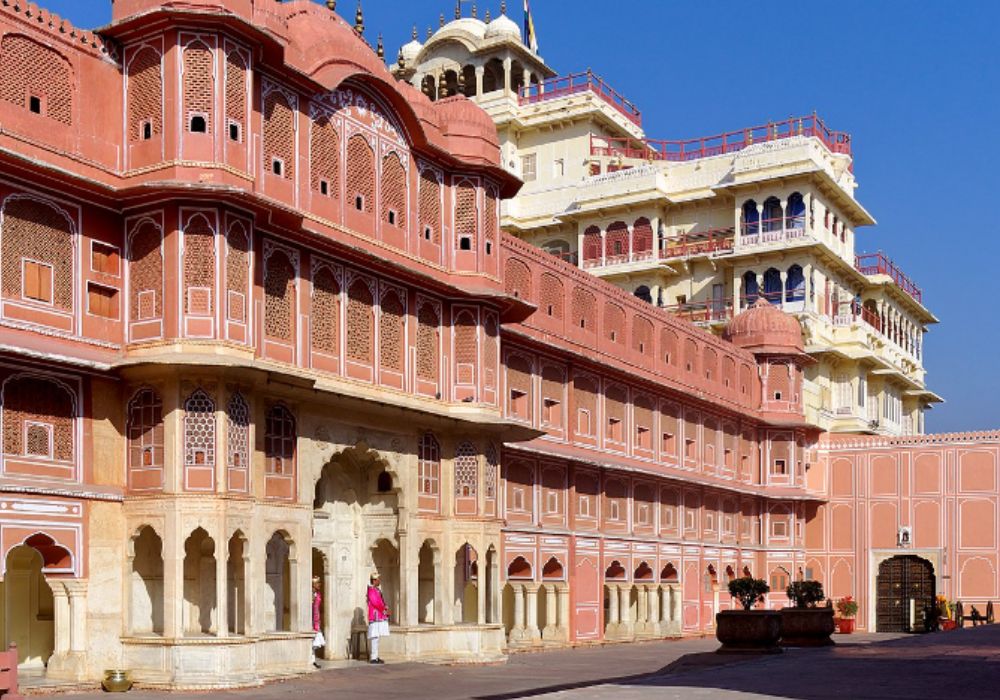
(259, 323)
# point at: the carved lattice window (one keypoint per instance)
(466, 471)
(279, 441)
(238, 432)
(199, 430)
(429, 466)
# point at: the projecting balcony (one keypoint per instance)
(577, 83)
(721, 144)
(713, 242)
(873, 264)
(770, 231)
(718, 311)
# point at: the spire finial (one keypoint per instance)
(359, 20)
(441, 20)
(414, 35)
(474, 10)
(400, 59)
(458, 9)
(487, 18)
(430, 33)
(503, 7)
(331, 5)
(380, 48)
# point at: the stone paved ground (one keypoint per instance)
(964, 665)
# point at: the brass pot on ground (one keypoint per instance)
(807, 627)
(117, 681)
(748, 631)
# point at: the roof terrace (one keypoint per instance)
(720, 144)
(575, 83)
(880, 264)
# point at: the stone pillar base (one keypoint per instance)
(67, 666)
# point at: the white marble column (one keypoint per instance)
(518, 630)
(653, 596)
(642, 611)
(550, 631)
(624, 604)
(531, 630)
(563, 594)
(614, 619)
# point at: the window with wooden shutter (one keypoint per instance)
(37, 281)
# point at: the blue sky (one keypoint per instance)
(915, 83)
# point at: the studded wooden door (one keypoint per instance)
(900, 580)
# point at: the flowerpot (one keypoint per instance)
(948, 625)
(117, 681)
(748, 631)
(845, 625)
(806, 627)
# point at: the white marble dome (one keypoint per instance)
(469, 25)
(410, 50)
(503, 26)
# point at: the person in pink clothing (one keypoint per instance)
(317, 608)
(378, 619)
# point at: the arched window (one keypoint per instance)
(795, 213)
(642, 236)
(393, 191)
(795, 285)
(199, 430)
(750, 288)
(772, 215)
(772, 285)
(392, 332)
(429, 466)
(360, 175)
(360, 322)
(592, 244)
(428, 343)
(145, 436)
(238, 443)
(750, 218)
(279, 295)
(37, 248)
(642, 292)
(324, 158)
(279, 441)
(466, 471)
(38, 417)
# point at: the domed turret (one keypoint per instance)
(411, 49)
(503, 27)
(765, 328)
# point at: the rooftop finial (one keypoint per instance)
(474, 10)
(441, 20)
(503, 7)
(331, 5)
(414, 35)
(487, 18)
(400, 59)
(359, 20)
(458, 9)
(430, 32)
(380, 48)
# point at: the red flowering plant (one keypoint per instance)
(847, 607)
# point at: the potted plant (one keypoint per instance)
(847, 608)
(806, 624)
(946, 613)
(748, 630)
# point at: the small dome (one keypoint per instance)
(503, 26)
(411, 50)
(470, 25)
(765, 328)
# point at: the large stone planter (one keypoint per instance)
(748, 631)
(806, 627)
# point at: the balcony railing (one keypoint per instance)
(703, 311)
(576, 83)
(719, 240)
(730, 142)
(775, 230)
(879, 264)
(620, 259)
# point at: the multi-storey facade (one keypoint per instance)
(701, 227)
(259, 323)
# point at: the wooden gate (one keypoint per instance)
(902, 579)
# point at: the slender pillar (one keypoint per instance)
(784, 215)
(531, 603)
(653, 596)
(481, 592)
(784, 280)
(614, 620)
(624, 595)
(480, 72)
(222, 591)
(78, 616)
(642, 610)
(665, 610)
(507, 63)
(550, 630)
(737, 290)
(517, 631)
(62, 618)
(563, 593)
(604, 247)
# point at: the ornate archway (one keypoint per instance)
(904, 587)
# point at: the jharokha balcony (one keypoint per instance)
(871, 264)
(720, 144)
(576, 83)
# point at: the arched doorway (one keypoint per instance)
(28, 613)
(904, 587)
(355, 531)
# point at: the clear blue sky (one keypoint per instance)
(916, 83)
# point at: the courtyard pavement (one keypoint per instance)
(962, 664)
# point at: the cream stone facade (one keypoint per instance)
(699, 227)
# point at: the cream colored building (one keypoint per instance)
(701, 227)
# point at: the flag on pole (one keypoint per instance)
(530, 37)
